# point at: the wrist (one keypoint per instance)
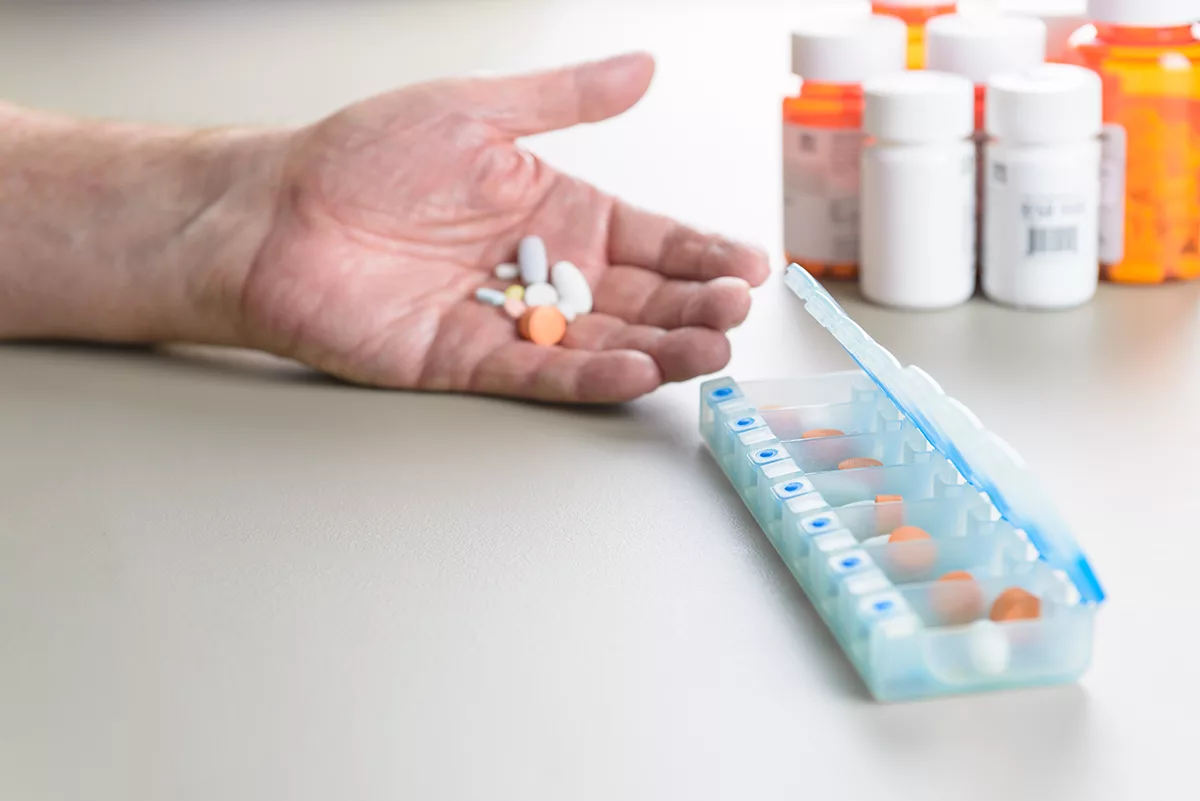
(128, 233)
(214, 249)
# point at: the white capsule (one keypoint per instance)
(507, 271)
(492, 297)
(988, 648)
(540, 295)
(535, 266)
(572, 286)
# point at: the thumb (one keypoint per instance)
(548, 101)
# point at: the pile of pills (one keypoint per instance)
(546, 299)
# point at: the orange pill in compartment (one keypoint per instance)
(1016, 604)
(956, 598)
(917, 557)
(858, 462)
(815, 433)
(543, 325)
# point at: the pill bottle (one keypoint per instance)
(918, 190)
(822, 137)
(1061, 17)
(978, 45)
(1148, 59)
(915, 14)
(1042, 201)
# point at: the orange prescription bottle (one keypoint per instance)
(1149, 63)
(822, 136)
(915, 13)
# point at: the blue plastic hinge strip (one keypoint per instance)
(986, 461)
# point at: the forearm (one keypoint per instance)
(129, 233)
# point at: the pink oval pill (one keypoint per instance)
(514, 308)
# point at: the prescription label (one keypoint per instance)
(1043, 215)
(821, 193)
(1114, 147)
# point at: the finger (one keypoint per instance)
(640, 296)
(659, 243)
(546, 101)
(562, 375)
(681, 354)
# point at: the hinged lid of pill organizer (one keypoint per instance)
(986, 461)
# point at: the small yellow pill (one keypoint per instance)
(515, 292)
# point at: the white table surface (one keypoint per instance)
(222, 577)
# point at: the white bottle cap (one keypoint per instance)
(919, 106)
(849, 50)
(978, 46)
(1050, 103)
(1144, 13)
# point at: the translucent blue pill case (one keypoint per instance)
(911, 630)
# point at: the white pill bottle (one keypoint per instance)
(918, 190)
(1042, 173)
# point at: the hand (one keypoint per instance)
(394, 211)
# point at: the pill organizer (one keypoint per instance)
(908, 634)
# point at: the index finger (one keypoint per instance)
(643, 239)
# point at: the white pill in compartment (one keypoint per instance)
(988, 648)
(535, 266)
(507, 271)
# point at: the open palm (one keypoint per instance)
(395, 211)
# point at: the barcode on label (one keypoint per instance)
(1052, 240)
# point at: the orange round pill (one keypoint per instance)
(908, 534)
(1016, 604)
(889, 498)
(918, 555)
(814, 433)
(858, 462)
(543, 325)
(956, 598)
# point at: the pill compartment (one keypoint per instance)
(939, 565)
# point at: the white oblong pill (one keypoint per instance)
(507, 271)
(492, 297)
(531, 254)
(540, 295)
(988, 648)
(572, 286)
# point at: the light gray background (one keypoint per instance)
(224, 578)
